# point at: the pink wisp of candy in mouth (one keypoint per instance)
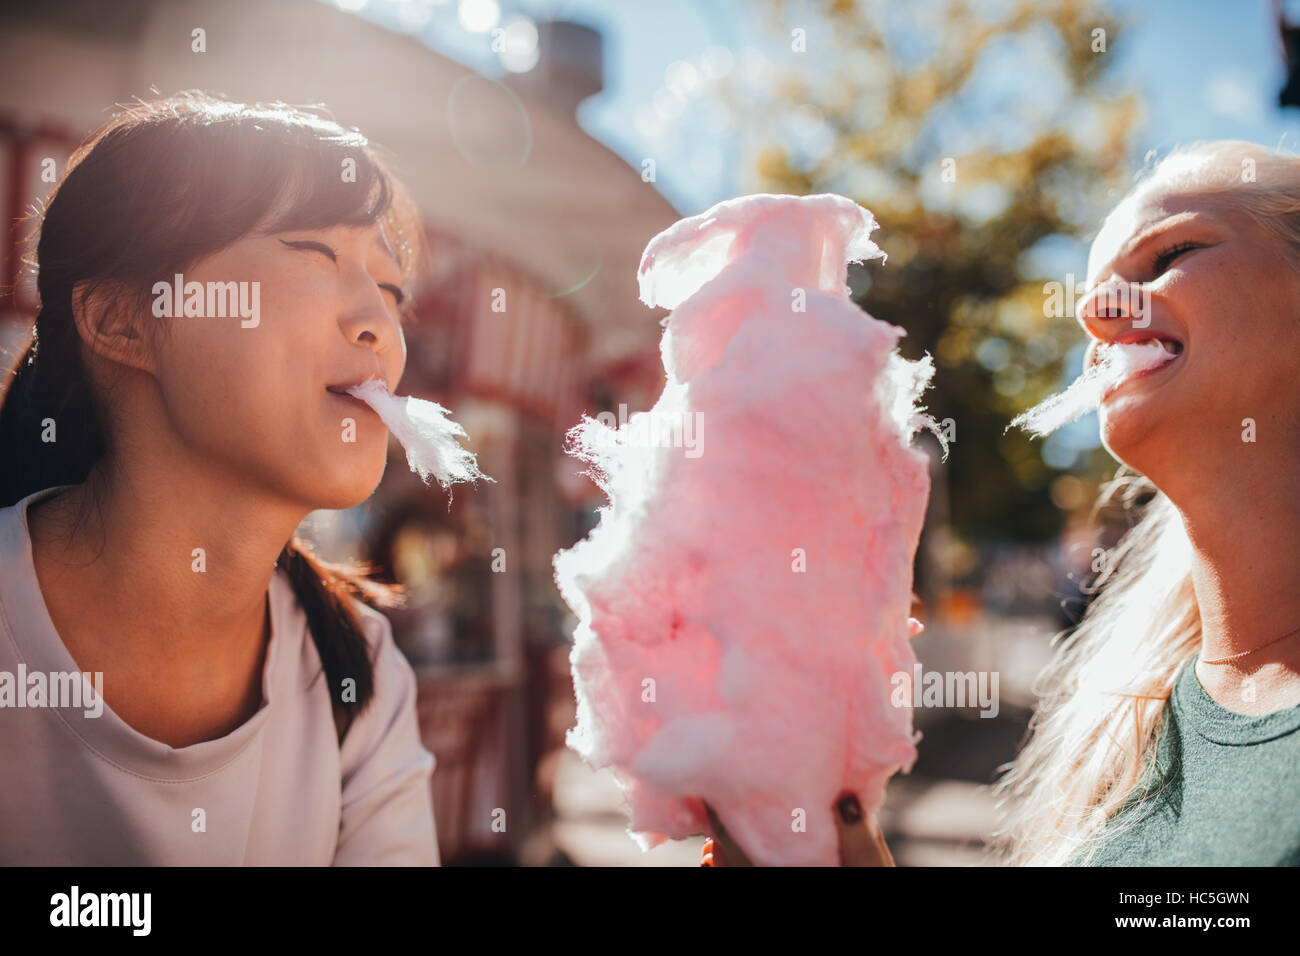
(425, 431)
(1115, 363)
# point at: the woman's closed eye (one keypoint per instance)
(309, 244)
(398, 294)
(1163, 259)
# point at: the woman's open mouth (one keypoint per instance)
(1172, 346)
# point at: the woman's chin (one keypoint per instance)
(1128, 439)
(1144, 419)
(347, 488)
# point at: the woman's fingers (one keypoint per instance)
(726, 851)
(914, 627)
(861, 842)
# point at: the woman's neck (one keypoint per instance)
(176, 565)
(1245, 565)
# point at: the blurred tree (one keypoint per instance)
(972, 139)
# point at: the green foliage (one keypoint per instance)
(889, 104)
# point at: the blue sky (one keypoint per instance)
(1207, 69)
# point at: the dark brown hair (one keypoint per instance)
(162, 185)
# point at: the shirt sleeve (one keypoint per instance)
(387, 805)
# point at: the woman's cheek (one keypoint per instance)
(221, 393)
(254, 400)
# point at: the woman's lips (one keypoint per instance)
(351, 399)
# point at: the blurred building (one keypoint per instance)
(521, 207)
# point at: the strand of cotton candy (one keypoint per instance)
(741, 613)
(1115, 364)
(424, 429)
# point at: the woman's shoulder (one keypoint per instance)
(394, 679)
(378, 631)
(375, 626)
(395, 684)
(387, 804)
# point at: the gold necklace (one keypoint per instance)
(1233, 657)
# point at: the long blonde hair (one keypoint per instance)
(1102, 697)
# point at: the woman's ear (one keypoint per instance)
(102, 313)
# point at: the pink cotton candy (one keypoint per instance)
(425, 431)
(707, 666)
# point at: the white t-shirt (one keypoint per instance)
(78, 789)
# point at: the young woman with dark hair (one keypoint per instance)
(158, 455)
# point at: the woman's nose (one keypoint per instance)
(1109, 305)
(369, 321)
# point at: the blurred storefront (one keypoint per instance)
(527, 318)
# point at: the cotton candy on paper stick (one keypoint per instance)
(742, 606)
(1115, 363)
(425, 431)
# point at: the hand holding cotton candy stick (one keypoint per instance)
(424, 429)
(861, 841)
(743, 613)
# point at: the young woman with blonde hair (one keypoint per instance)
(1169, 727)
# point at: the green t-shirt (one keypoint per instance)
(1231, 788)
